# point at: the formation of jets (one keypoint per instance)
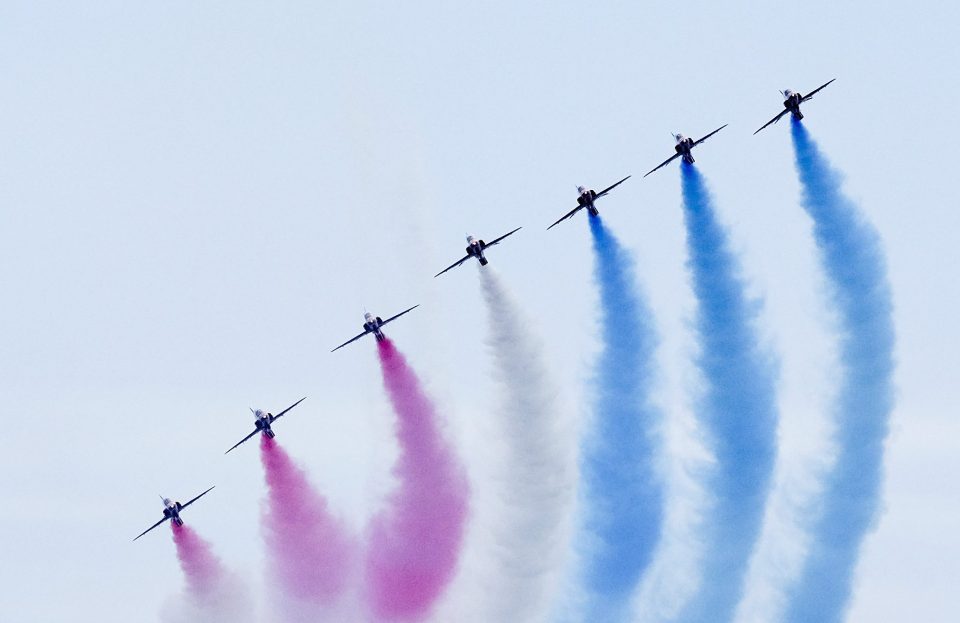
(586, 199)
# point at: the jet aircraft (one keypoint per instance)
(475, 249)
(586, 200)
(683, 148)
(373, 324)
(263, 423)
(171, 511)
(791, 104)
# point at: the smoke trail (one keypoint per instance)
(311, 557)
(212, 593)
(737, 410)
(415, 542)
(201, 568)
(526, 530)
(622, 492)
(851, 255)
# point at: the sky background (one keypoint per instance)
(199, 199)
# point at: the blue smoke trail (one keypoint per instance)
(853, 260)
(622, 494)
(737, 411)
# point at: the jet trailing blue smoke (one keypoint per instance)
(737, 411)
(854, 263)
(622, 494)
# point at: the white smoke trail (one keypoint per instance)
(227, 602)
(522, 534)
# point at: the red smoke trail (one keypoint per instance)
(310, 552)
(202, 568)
(213, 593)
(415, 542)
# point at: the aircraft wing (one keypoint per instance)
(350, 341)
(490, 244)
(454, 265)
(609, 188)
(183, 506)
(277, 416)
(811, 93)
(392, 318)
(709, 135)
(151, 528)
(664, 163)
(565, 217)
(242, 440)
(774, 120)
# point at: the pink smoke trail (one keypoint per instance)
(213, 593)
(203, 571)
(415, 542)
(310, 552)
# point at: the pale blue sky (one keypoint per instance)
(198, 199)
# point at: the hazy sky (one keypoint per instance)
(199, 198)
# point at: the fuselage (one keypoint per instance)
(171, 510)
(587, 199)
(263, 422)
(475, 249)
(791, 101)
(684, 147)
(373, 323)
